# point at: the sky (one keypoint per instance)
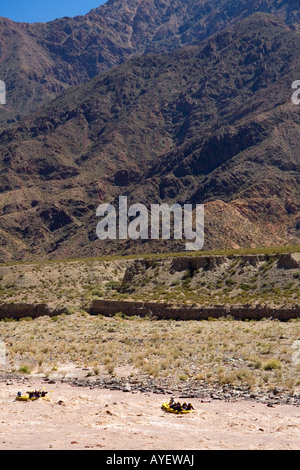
(31, 11)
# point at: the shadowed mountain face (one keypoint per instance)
(39, 61)
(211, 123)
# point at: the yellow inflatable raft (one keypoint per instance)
(31, 396)
(26, 398)
(166, 407)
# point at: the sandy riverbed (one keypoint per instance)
(83, 418)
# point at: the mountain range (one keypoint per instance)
(40, 60)
(162, 101)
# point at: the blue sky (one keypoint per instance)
(31, 11)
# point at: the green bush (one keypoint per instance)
(271, 364)
(24, 370)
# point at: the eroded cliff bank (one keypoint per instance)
(183, 287)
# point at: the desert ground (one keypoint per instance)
(75, 418)
(108, 377)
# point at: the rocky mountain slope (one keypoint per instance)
(39, 61)
(211, 123)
